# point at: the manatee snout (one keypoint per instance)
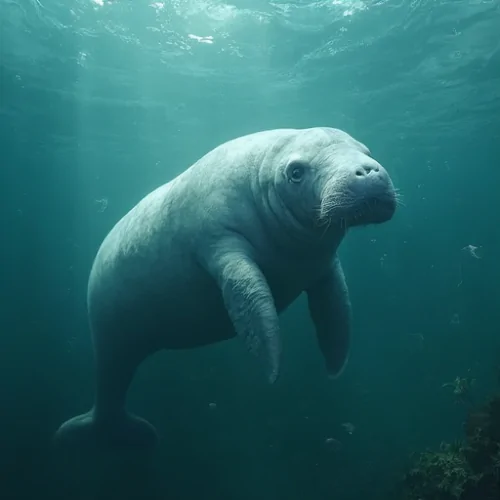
(372, 186)
(361, 192)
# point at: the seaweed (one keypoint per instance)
(468, 469)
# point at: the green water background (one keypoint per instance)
(102, 102)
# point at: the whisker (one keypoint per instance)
(399, 201)
(327, 226)
(398, 196)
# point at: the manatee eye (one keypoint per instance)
(295, 172)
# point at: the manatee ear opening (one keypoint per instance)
(295, 171)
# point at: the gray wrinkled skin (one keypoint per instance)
(219, 252)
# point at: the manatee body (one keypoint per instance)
(219, 252)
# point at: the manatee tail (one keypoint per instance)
(123, 430)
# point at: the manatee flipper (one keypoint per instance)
(330, 310)
(123, 431)
(250, 305)
(108, 423)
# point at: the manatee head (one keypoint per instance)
(327, 178)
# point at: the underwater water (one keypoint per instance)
(103, 101)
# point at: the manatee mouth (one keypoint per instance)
(355, 212)
(378, 210)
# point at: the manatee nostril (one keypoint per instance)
(368, 169)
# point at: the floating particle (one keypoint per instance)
(332, 444)
(473, 251)
(349, 427)
(102, 204)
